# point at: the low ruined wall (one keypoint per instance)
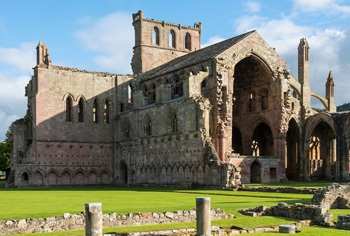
(335, 196)
(343, 222)
(77, 221)
(279, 189)
(317, 214)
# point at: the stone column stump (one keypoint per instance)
(203, 216)
(287, 229)
(94, 221)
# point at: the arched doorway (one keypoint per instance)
(262, 142)
(123, 173)
(255, 172)
(292, 158)
(237, 141)
(24, 179)
(322, 158)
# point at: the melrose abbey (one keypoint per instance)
(217, 117)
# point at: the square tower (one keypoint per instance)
(157, 42)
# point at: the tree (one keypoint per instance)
(5, 151)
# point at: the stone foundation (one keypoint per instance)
(77, 221)
(343, 222)
(335, 196)
(318, 215)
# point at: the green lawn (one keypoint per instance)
(34, 203)
(294, 184)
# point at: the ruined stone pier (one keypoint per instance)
(203, 216)
(94, 221)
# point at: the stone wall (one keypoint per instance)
(335, 196)
(279, 189)
(343, 222)
(77, 221)
(317, 214)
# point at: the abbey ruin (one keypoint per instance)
(219, 116)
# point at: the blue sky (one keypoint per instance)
(98, 36)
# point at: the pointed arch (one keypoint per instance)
(95, 110)
(292, 158)
(262, 140)
(187, 41)
(172, 39)
(126, 128)
(52, 177)
(106, 111)
(69, 109)
(237, 146)
(81, 108)
(123, 173)
(155, 36)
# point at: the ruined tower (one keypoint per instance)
(303, 71)
(330, 93)
(157, 42)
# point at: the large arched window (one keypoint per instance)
(69, 107)
(107, 111)
(172, 39)
(81, 110)
(187, 41)
(155, 36)
(95, 111)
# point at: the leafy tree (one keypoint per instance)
(5, 151)
(344, 107)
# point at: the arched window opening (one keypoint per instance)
(107, 111)
(188, 41)
(262, 142)
(130, 94)
(123, 173)
(81, 110)
(322, 152)
(292, 158)
(172, 39)
(95, 111)
(155, 36)
(264, 99)
(251, 101)
(237, 141)
(25, 178)
(69, 107)
(147, 125)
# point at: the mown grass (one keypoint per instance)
(35, 203)
(294, 184)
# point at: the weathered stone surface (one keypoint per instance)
(77, 221)
(335, 196)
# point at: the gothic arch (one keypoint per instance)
(65, 178)
(314, 120)
(293, 141)
(52, 177)
(123, 173)
(65, 96)
(262, 140)
(255, 172)
(38, 177)
(237, 146)
(92, 176)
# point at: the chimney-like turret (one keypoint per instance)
(303, 71)
(330, 93)
(42, 55)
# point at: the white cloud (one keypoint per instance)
(12, 100)
(252, 6)
(325, 6)
(112, 37)
(22, 58)
(212, 40)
